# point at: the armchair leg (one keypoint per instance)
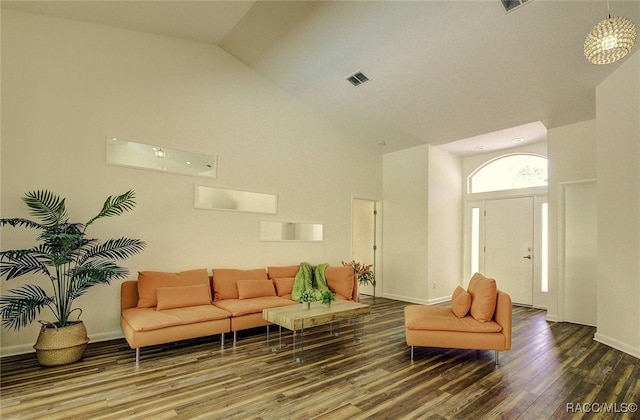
(497, 357)
(235, 337)
(222, 341)
(411, 352)
(137, 354)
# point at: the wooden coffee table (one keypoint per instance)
(296, 319)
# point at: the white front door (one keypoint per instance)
(509, 246)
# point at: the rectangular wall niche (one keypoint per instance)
(162, 159)
(290, 231)
(212, 198)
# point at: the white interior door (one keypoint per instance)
(580, 249)
(364, 236)
(508, 246)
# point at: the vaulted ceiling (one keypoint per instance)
(465, 73)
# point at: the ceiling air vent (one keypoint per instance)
(357, 79)
(510, 5)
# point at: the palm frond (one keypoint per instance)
(115, 249)
(63, 239)
(22, 306)
(114, 206)
(92, 274)
(47, 207)
(20, 222)
(85, 247)
(16, 263)
(51, 255)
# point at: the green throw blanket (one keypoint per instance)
(310, 278)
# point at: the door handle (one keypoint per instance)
(528, 256)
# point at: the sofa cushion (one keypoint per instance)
(340, 280)
(284, 285)
(224, 281)
(441, 318)
(150, 281)
(239, 307)
(460, 302)
(248, 289)
(148, 319)
(283, 272)
(183, 296)
(484, 295)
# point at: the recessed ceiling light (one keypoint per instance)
(517, 140)
(478, 148)
(382, 143)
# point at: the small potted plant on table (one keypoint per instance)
(306, 297)
(327, 297)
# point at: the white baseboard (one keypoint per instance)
(617, 344)
(16, 350)
(410, 299)
(112, 335)
(439, 300)
(28, 348)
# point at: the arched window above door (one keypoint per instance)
(510, 172)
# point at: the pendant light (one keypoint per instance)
(610, 40)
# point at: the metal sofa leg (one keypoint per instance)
(138, 355)
(411, 352)
(497, 357)
(222, 341)
(235, 337)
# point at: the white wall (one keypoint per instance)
(422, 219)
(572, 158)
(68, 85)
(445, 223)
(618, 169)
(405, 224)
(579, 253)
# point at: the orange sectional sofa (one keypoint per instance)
(164, 307)
(478, 318)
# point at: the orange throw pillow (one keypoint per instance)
(224, 281)
(183, 296)
(484, 295)
(460, 302)
(284, 285)
(150, 281)
(248, 289)
(340, 280)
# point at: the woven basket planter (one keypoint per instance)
(58, 346)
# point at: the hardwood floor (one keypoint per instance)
(551, 368)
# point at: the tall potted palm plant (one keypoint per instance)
(72, 261)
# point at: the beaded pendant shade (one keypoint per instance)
(610, 40)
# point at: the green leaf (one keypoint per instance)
(23, 305)
(116, 249)
(49, 208)
(17, 263)
(19, 222)
(91, 274)
(116, 206)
